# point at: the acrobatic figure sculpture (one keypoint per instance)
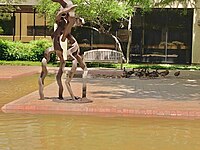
(65, 20)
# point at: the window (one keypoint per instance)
(164, 36)
(39, 31)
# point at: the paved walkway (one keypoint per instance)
(162, 97)
(9, 72)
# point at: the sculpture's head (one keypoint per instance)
(57, 0)
(79, 21)
(64, 3)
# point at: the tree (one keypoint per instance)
(7, 6)
(49, 9)
(98, 13)
(148, 4)
(102, 13)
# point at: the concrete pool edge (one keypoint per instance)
(181, 114)
(103, 106)
(122, 98)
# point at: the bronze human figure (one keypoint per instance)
(65, 20)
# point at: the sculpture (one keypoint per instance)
(65, 20)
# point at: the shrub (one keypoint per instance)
(32, 51)
(38, 47)
(4, 46)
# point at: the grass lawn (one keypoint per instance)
(102, 65)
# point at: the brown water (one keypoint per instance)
(67, 132)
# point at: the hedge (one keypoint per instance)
(32, 51)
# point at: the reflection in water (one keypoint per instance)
(63, 132)
(27, 131)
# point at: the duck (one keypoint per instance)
(177, 73)
(164, 73)
(153, 74)
(131, 72)
(140, 73)
(125, 73)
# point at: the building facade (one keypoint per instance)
(160, 36)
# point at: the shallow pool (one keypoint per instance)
(67, 132)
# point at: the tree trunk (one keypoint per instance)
(114, 37)
(129, 41)
(118, 44)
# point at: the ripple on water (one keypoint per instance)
(63, 132)
(91, 132)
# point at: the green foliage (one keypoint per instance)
(8, 6)
(97, 12)
(48, 8)
(185, 3)
(146, 5)
(106, 65)
(6, 9)
(32, 51)
(101, 65)
(101, 12)
(4, 46)
(1, 30)
(37, 48)
(20, 63)
(160, 66)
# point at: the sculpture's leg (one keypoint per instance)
(69, 77)
(74, 51)
(68, 27)
(59, 74)
(84, 88)
(44, 71)
(85, 73)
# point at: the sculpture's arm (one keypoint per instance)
(62, 3)
(64, 12)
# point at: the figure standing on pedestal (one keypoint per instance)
(65, 20)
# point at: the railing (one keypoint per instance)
(103, 56)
